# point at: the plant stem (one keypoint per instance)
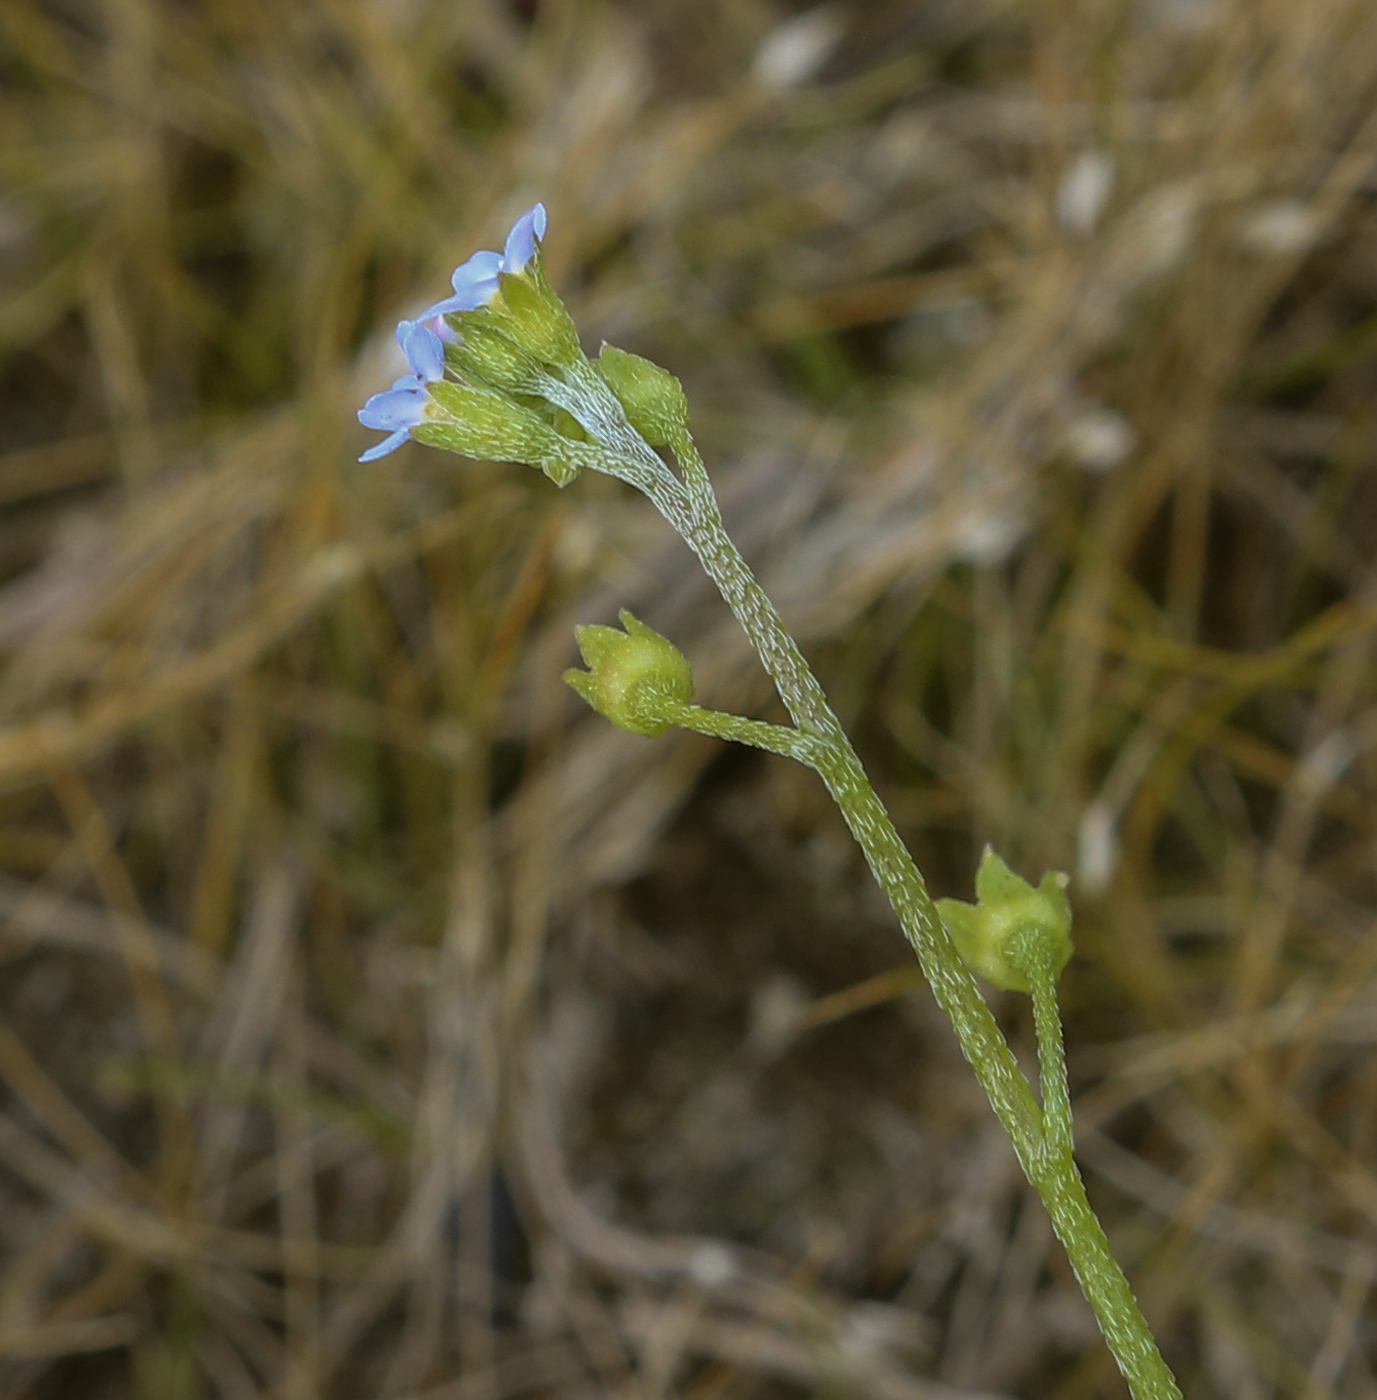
(1057, 1142)
(1120, 1319)
(1043, 1147)
(700, 524)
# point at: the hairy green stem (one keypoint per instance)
(1057, 1144)
(1041, 1135)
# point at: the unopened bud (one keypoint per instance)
(633, 675)
(652, 398)
(1012, 927)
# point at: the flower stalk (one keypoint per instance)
(517, 386)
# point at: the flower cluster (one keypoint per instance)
(409, 403)
(497, 373)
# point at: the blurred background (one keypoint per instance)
(377, 1022)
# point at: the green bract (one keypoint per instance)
(652, 398)
(1012, 925)
(633, 676)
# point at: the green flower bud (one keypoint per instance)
(631, 675)
(485, 425)
(1012, 926)
(652, 398)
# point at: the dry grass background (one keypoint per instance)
(376, 1022)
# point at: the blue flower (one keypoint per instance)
(475, 283)
(403, 406)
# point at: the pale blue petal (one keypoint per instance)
(475, 282)
(422, 349)
(521, 241)
(470, 299)
(398, 410)
(394, 409)
(388, 444)
(483, 266)
(443, 308)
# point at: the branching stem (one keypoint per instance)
(1041, 1134)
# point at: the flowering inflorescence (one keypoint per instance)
(497, 372)
(406, 405)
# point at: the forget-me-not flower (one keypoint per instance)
(403, 406)
(465, 369)
(475, 283)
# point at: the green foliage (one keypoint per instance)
(486, 354)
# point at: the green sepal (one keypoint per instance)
(652, 398)
(534, 317)
(485, 425)
(486, 354)
(1012, 925)
(633, 675)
